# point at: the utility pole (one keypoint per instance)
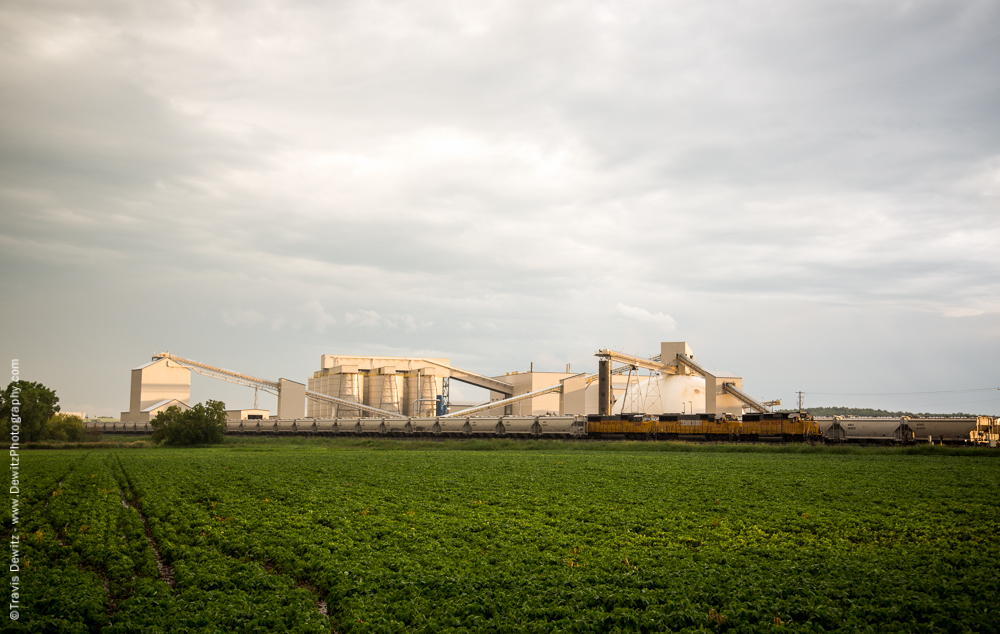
(800, 401)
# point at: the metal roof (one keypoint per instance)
(164, 402)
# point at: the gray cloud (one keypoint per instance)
(493, 182)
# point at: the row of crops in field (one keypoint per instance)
(320, 539)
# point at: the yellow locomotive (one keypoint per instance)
(786, 426)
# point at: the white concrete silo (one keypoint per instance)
(662, 394)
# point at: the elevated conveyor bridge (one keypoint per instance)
(753, 403)
(474, 379)
(271, 387)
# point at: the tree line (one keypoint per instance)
(34, 408)
(864, 412)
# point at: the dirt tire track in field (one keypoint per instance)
(320, 599)
(112, 601)
(58, 484)
(166, 570)
(5, 533)
(321, 604)
(49, 499)
(100, 572)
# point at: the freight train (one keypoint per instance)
(769, 427)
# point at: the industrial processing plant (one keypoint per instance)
(668, 396)
(353, 385)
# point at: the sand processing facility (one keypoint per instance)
(669, 395)
(357, 386)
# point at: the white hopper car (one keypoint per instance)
(508, 426)
(866, 430)
(900, 430)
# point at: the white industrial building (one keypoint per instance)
(671, 382)
(247, 414)
(349, 386)
(156, 386)
(400, 385)
(660, 385)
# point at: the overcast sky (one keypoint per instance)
(808, 193)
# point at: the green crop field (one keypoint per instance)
(327, 537)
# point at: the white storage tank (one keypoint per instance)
(664, 394)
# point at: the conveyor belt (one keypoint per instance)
(503, 403)
(732, 389)
(270, 387)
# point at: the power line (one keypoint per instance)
(980, 389)
(989, 400)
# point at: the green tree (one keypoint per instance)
(203, 424)
(65, 427)
(28, 405)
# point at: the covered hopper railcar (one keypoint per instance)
(479, 426)
(946, 429)
(867, 430)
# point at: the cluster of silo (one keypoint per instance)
(422, 390)
(344, 382)
(399, 385)
(383, 388)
